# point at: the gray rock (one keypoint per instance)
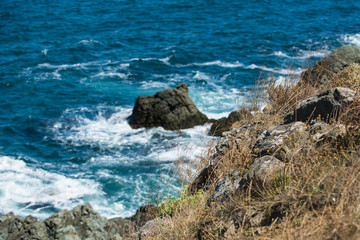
(325, 69)
(262, 173)
(226, 187)
(170, 109)
(80, 223)
(322, 132)
(274, 140)
(143, 214)
(224, 124)
(326, 105)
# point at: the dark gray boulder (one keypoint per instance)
(326, 105)
(170, 109)
(224, 124)
(325, 69)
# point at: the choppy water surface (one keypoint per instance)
(70, 73)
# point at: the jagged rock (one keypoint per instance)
(325, 69)
(224, 124)
(148, 228)
(323, 132)
(229, 140)
(143, 214)
(326, 105)
(80, 223)
(203, 179)
(226, 187)
(261, 172)
(274, 140)
(170, 109)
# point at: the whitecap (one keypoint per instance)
(76, 65)
(302, 54)
(24, 188)
(165, 60)
(201, 76)
(282, 71)
(214, 63)
(112, 74)
(44, 52)
(351, 38)
(152, 84)
(88, 41)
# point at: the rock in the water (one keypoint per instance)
(326, 105)
(80, 223)
(325, 69)
(224, 124)
(170, 109)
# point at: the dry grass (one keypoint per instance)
(317, 195)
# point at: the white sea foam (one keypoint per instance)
(241, 65)
(23, 187)
(281, 71)
(152, 84)
(72, 66)
(351, 38)
(89, 41)
(215, 63)
(165, 60)
(112, 74)
(302, 54)
(201, 76)
(44, 52)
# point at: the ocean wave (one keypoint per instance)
(27, 190)
(351, 38)
(281, 71)
(153, 84)
(89, 41)
(302, 54)
(165, 60)
(113, 74)
(114, 133)
(76, 65)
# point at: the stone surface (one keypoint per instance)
(224, 124)
(170, 109)
(80, 223)
(143, 214)
(325, 69)
(261, 172)
(274, 140)
(326, 105)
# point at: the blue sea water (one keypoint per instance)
(70, 72)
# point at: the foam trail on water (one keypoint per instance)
(302, 54)
(351, 38)
(27, 190)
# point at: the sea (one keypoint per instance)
(70, 72)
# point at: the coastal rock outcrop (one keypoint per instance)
(224, 124)
(325, 69)
(326, 105)
(170, 109)
(261, 172)
(80, 223)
